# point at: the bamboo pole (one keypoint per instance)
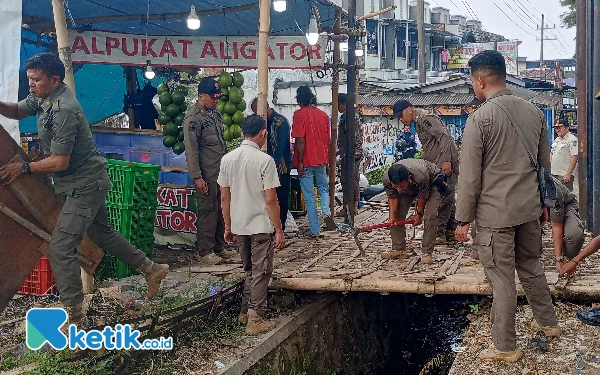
(263, 59)
(62, 40)
(335, 88)
(64, 52)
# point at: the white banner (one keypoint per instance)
(373, 148)
(285, 52)
(510, 52)
(10, 45)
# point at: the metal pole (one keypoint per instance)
(62, 40)
(350, 115)
(131, 86)
(64, 52)
(334, 110)
(263, 58)
(582, 134)
(595, 176)
(421, 39)
(542, 44)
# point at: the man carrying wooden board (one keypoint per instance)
(78, 170)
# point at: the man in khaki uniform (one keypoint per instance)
(248, 180)
(341, 144)
(440, 149)
(78, 171)
(404, 181)
(499, 187)
(567, 228)
(205, 146)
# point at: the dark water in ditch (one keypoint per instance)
(373, 334)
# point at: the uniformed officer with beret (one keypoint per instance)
(204, 147)
(78, 171)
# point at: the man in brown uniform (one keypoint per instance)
(205, 146)
(341, 143)
(567, 228)
(440, 149)
(403, 182)
(78, 171)
(499, 187)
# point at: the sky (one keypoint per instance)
(520, 24)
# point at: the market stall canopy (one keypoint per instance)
(168, 17)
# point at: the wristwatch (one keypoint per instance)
(421, 213)
(26, 169)
(560, 258)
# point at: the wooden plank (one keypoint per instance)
(218, 268)
(456, 264)
(311, 263)
(441, 272)
(413, 261)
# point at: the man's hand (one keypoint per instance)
(544, 217)
(447, 168)
(462, 233)
(417, 219)
(566, 179)
(201, 185)
(559, 266)
(10, 172)
(300, 169)
(279, 240)
(568, 269)
(229, 237)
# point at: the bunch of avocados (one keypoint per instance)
(232, 104)
(171, 115)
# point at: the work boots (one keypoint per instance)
(154, 274)
(257, 324)
(395, 254)
(329, 223)
(77, 315)
(243, 318)
(493, 354)
(342, 212)
(549, 331)
(426, 258)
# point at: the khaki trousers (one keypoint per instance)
(84, 212)
(447, 211)
(430, 222)
(501, 252)
(573, 231)
(569, 185)
(257, 253)
(209, 221)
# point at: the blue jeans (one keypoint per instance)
(307, 185)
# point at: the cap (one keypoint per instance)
(209, 86)
(400, 106)
(342, 98)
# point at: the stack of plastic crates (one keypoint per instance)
(40, 281)
(131, 204)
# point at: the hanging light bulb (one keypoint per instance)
(280, 5)
(149, 73)
(313, 31)
(359, 49)
(193, 22)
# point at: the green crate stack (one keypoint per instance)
(131, 205)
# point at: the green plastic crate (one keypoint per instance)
(132, 184)
(133, 222)
(112, 268)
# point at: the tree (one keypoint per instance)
(568, 18)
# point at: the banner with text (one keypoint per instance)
(510, 52)
(285, 52)
(462, 53)
(373, 148)
(176, 209)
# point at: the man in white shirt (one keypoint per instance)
(248, 180)
(564, 154)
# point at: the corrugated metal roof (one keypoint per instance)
(419, 100)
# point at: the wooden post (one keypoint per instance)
(64, 52)
(334, 110)
(131, 85)
(62, 40)
(263, 59)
